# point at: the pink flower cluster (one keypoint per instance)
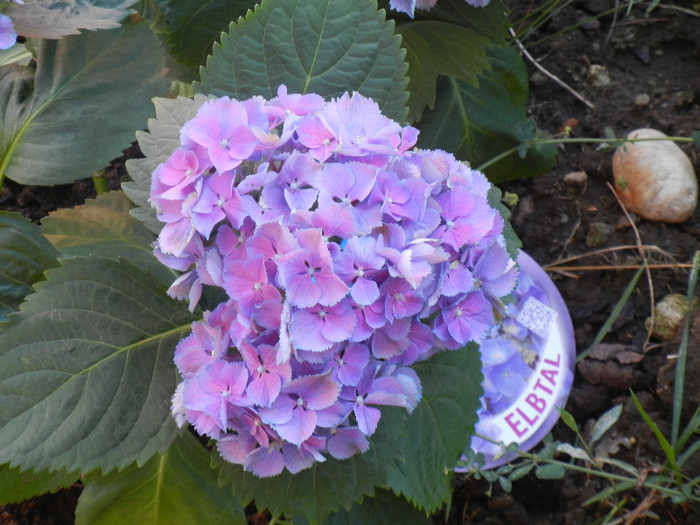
(345, 255)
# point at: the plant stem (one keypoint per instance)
(100, 182)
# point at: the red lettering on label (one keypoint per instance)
(515, 425)
(542, 387)
(549, 375)
(553, 363)
(527, 419)
(535, 402)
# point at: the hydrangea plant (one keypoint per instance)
(345, 256)
(322, 272)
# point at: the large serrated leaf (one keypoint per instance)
(176, 488)
(157, 144)
(86, 369)
(81, 107)
(58, 18)
(194, 26)
(384, 508)
(327, 47)
(477, 125)
(104, 227)
(436, 47)
(16, 486)
(25, 257)
(439, 428)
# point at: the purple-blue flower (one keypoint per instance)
(408, 6)
(8, 35)
(344, 256)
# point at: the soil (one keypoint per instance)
(653, 62)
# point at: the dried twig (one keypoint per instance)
(545, 72)
(643, 255)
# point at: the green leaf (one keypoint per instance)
(327, 47)
(16, 486)
(436, 47)
(479, 125)
(194, 26)
(550, 471)
(104, 227)
(439, 428)
(384, 508)
(604, 423)
(157, 144)
(176, 488)
(81, 107)
(57, 18)
(86, 369)
(26, 254)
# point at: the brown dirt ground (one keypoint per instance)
(657, 55)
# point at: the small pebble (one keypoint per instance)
(598, 76)
(598, 234)
(655, 179)
(642, 100)
(576, 178)
(669, 315)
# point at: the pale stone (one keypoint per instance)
(654, 178)
(669, 315)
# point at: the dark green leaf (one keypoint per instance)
(26, 254)
(695, 135)
(435, 47)
(81, 107)
(327, 47)
(58, 18)
(194, 26)
(384, 508)
(439, 428)
(568, 420)
(521, 472)
(157, 144)
(505, 483)
(16, 486)
(86, 369)
(104, 227)
(176, 488)
(479, 125)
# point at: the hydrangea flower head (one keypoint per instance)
(345, 256)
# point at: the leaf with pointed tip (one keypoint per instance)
(86, 369)
(177, 487)
(16, 486)
(157, 144)
(439, 428)
(104, 227)
(327, 47)
(477, 125)
(58, 18)
(194, 26)
(26, 254)
(80, 108)
(433, 48)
